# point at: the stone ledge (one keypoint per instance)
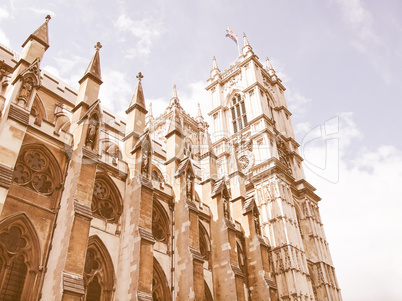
(236, 270)
(142, 296)
(73, 283)
(146, 234)
(6, 176)
(82, 209)
(196, 255)
(18, 114)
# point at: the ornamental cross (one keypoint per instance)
(140, 76)
(98, 46)
(48, 17)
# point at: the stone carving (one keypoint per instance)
(256, 219)
(103, 204)
(145, 157)
(283, 153)
(32, 170)
(62, 119)
(279, 262)
(226, 210)
(13, 240)
(91, 133)
(189, 186)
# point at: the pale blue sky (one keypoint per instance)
(338, 59)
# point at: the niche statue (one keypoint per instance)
(145, 159)
(91, 134)
(189, 186)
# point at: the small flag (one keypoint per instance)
(230, 34)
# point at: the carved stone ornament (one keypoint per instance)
(145, 157)
(103, 203)
(246, 160)
(283, 153)
(32, 170)
(256, 219)
(92, 130)
(226, 208)
(30, 79)
(189, 185)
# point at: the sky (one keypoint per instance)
(340, 60)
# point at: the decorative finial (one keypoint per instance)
(139, 76)
(48, 17)
(199, 110)
(214, 64)
(98, 46)
(150, 110)
(174, 95)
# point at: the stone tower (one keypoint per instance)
(256, 148)
(93, 207)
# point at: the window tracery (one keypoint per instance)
(239, 115)
(33, 170)
(205, 245)
(98, 272)
(19, 254)
(160, 287)
(160, 226)
(241, 259)
(105, 203)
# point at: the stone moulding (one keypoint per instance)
(6, 176)
(18, 114)
(146, 234)
(82, 209)
(73, 283)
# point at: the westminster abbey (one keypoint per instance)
(96, 207)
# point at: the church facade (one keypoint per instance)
(93, 207)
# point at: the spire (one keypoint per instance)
(138, 96)
(174, 101)
(175, 123)
(215, 70)
(174, 94)
(270, 69)
(150, 114)
(246, 45)
(214, 64)
(94, 70)
(199, 117)
(41, 35)
(245, 40)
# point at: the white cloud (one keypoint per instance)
(359, 17)
(146, 30)
(361, 213)
(115, 92)
(298, 104)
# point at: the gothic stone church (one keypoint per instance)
(94, 207)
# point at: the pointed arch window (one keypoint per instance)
(106, 202)
(238, 111)
(19, 258)
(160, 287)
(160, 224)
(98, 272)
(205, 245)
